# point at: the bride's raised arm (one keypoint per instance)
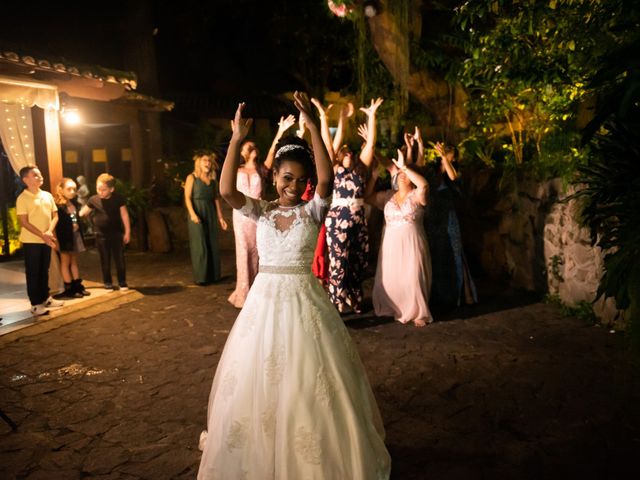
(228, 191)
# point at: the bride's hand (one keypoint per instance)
(239, 126)
(301, 102)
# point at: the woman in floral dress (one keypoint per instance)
(347, 236)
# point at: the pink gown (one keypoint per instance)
(403, 275)
(244, 230)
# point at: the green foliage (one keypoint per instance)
(137, 199)
(582, 310)
(14, 232)
(527, 66)
(611, 208)
(555, 263)
(610, 183)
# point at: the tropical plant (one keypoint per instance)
(13, 232)
(137, 199)
(610, 183)
(527, 67)
(611, 209)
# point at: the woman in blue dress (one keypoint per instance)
(452, 283)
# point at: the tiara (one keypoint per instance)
(288, 148)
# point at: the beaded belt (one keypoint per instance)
(285, 269)
(347, 202)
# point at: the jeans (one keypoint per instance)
(111, 245)
(37, 257)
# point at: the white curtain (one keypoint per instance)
(16, 133)
(16, 126)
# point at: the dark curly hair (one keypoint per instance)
(302, 156)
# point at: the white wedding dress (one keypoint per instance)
(290, 399)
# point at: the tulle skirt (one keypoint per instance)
(290, 398)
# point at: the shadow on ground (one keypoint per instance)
(161, 290)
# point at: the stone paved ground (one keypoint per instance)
(508, 389)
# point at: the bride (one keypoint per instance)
(290, 399)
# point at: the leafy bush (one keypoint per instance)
(137, 199)
(13, 230)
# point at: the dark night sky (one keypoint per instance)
(220, 46)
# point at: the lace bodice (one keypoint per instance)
(249, 183)
(286, 236)
(409, 212)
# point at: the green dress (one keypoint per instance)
(203, 236)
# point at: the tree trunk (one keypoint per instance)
(443, 101)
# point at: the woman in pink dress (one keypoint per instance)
(403, 275)
(250, 181)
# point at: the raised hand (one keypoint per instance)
(371, 109)
(240, 126)
(322, 111)
(439, 148)
(347, 110)
(400, 163)
(302, 103)
(408, 140)
(285, 124)
(417, 136)
(301, 127)
(363, 131)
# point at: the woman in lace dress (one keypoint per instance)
(403, 274)
(290, 399)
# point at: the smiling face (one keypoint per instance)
(291, 181)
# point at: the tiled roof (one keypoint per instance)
(60, 65)
(148, 101)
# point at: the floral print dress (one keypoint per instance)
(347, 239)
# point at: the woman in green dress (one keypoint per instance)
(205, 214)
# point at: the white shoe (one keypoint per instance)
(52, 302)
(37, 310)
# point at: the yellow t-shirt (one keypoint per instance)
(39, 209)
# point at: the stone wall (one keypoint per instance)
(175, 220)
(574, 266)
(527, 236)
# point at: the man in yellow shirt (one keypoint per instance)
(38, 215)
